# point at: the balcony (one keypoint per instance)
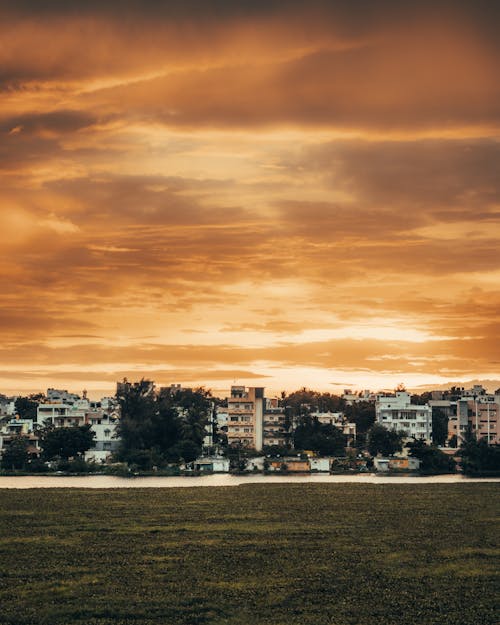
(240, 424)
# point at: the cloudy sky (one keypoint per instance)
(273, 193)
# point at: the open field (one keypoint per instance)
(259, 554)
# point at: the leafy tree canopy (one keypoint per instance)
(160, 428)
(324, 439)
(432, 459)
(380, 440)
(304, 401)
(362, 414)
(66, 442)
(15, 455)
(439, 426)
(26, 407)
(479, 458)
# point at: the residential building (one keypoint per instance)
(290, 465)
(62, 396)
(351, 397)
(245, 410)
(483, 413)
(212, 464)
(396, 412)
(475, 408)
(106, 440)
(13, 427)
(396, 463)
(62, 412)
(275, 430)
(63, 409)
(320, 465)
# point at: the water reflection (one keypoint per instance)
(108, 481)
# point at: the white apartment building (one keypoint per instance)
(59, 413)
(351, 397)
(63, 409)
(274, 430)
(61, 396)
(105, 441)
(396, 412)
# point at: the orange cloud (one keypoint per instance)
(273, 190)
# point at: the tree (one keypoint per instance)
(362, 414)
(138, 414)
(479, 458)
(432, 459)
(188, 450)
(275, 451)
(15, 455)
(439, 426)
(304, 401)
(67, 442)
(380, 440)
(26, 407)
(324, 439)
(421, 399)
(160, 428)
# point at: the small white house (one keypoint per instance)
(212, 464)
(320, 465)
(381, 464)
(256, 464)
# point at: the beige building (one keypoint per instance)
(481, 413)
(274, 428)
(245, 416)
(476, 409)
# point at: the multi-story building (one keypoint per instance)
(245, 412)
(63, 409)
(475, 408)
(62, 396)
(59, 413)
(351, 398)
(274, 431)
(14, 427)
(396, 412)
(481, 410)
(106, 440)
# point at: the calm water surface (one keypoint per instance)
(108, 481)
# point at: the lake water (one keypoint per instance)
(108, 481)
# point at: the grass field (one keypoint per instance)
(257, 554)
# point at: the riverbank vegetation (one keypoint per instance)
(287, 554)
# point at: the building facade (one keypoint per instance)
(396, 412)
(245, 412)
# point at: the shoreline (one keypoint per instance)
(225, 479)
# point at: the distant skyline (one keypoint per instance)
(222, 392)
(281, 194)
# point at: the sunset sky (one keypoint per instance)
(280, 194)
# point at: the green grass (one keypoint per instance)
(343, 554)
